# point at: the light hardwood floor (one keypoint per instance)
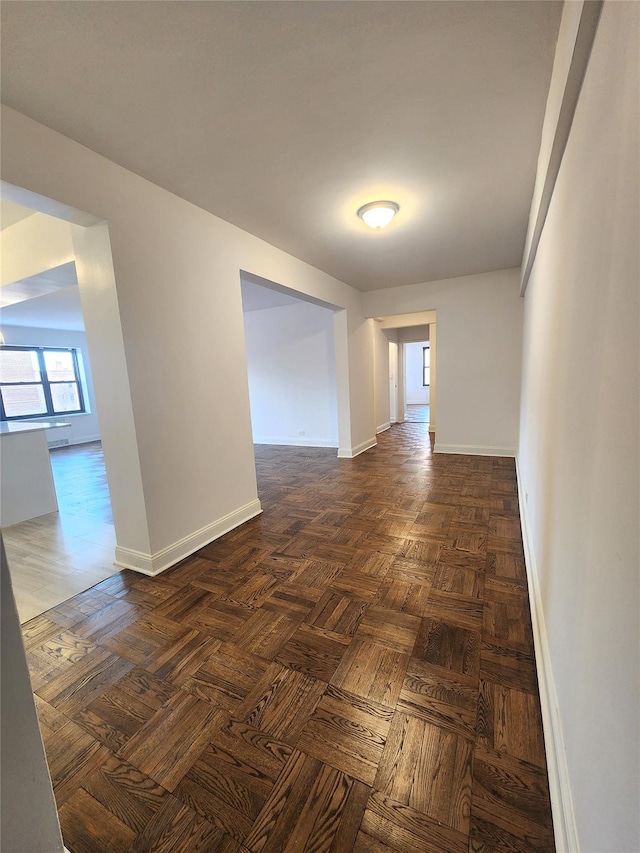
(350, 672)
(58, 555)
(416, 413)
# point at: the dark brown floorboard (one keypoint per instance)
(353, 670)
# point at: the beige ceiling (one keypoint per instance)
(285, 117)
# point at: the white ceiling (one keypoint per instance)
(49, 300)
(255, 297)
(285, 117)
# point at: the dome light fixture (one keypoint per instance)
(378, 214)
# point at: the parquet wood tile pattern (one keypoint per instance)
(351, 671)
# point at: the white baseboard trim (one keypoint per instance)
(474, 449)
(302, 441)
(153, 564)
(564, 821)
(383, 427)
(86, 439)
(72, 442)
(352, 452)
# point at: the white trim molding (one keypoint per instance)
(86, 439)
(383, 427)
(352, 452)
(475, 450)
(302, 441)
(564, 821)
(153, 564)
(584, 39)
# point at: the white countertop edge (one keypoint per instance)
(20, 427)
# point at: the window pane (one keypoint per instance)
(427, 376)
(65, 397)
(59, 366)
(19, 366)
(23, 400)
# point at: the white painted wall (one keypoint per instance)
(361, 384)
(178, 301)
(479, 355)
(393, 381)
(83, 427)
(29, 818)
(382, 372)
(433, 388)
(292, 375)
(120, 441)
(578, 452)
(416, 392)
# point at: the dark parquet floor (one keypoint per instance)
(351, 671)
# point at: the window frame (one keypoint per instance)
(426, 367)
(46, 384)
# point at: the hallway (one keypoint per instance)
(353, 670)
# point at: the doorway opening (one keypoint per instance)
(405, 348)
(291, 366)
(57, 521)
(417, 381)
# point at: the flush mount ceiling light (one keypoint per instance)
(378, 214)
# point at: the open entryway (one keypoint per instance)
(291, 367)
(64, 545)
(405, 350)
(417, 381)
(55, 512)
